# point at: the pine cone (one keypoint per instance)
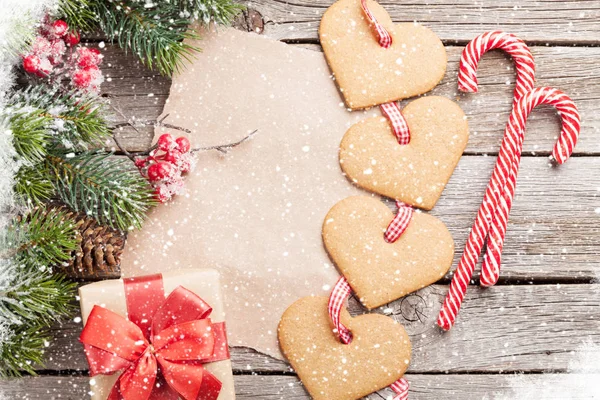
(99, 253)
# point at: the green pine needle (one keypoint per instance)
(24, 350)
(42, 238)
(106, 188)
(36, 297)
(78, 14)
(222, 12)
(76, 120)
(154, 31)
(32, 185)
(30, 133)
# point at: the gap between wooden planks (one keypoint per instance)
(542, 22)
(140, 93)
(503, 329)
(272, 387)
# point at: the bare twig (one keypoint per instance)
(223, 148)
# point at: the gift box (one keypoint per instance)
(157, 337)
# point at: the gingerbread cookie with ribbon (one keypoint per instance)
(377, 356)
(354, 234)
(370, 74)
(415, 173)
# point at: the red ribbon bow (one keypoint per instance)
(173, 337)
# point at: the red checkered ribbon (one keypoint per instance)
(390, 110)
(400, 222)
(340, 293)
(399, 125)
(383, 36)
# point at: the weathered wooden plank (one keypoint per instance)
(546, 21)
(274, 387)
(141, 94)
(501, 329)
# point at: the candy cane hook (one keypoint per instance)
(571, 126)
(467, 81)
(467, 76)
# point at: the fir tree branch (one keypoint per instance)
(106, 188)
(155, 34)
(30, 133)
(40, 239)
(155, 31)
(78, 14)
(36, 297)
(32, 185)
(77, 120)
(23, 350)
(222, 12)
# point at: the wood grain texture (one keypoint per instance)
(270, 387)
(546, 21)
(531, 328)
(141, 94)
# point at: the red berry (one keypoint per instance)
(159, 171)
(183, 144)
(31, 63)
(45, 68)
(140, 162)
(162, 194)
(166, 142)
(72, 38)
(60, 27)
(173, 156)
(82, 78)
(87, 57)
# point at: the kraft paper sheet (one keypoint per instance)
(254, 214)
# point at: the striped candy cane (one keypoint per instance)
(467, 81)
(390, 110)
(467, 77)
(340, 293)
(515, 128)
(490, 270)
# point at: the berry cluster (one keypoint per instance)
(165, 165)
(54, 54)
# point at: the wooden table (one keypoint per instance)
(547, 301)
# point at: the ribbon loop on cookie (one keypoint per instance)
(399, 125)
(383, 36)
(400, 222)
(182, 338)
(340, 293)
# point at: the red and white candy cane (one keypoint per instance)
(467, 81)
(342, 290)
(340, 293)
(515, 128)
(467, 76)
(390, 110)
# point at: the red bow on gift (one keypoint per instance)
(161, 348)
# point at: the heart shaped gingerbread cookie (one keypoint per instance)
(378, 355)
(415, 173)
(381, 272)
(369, 74)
